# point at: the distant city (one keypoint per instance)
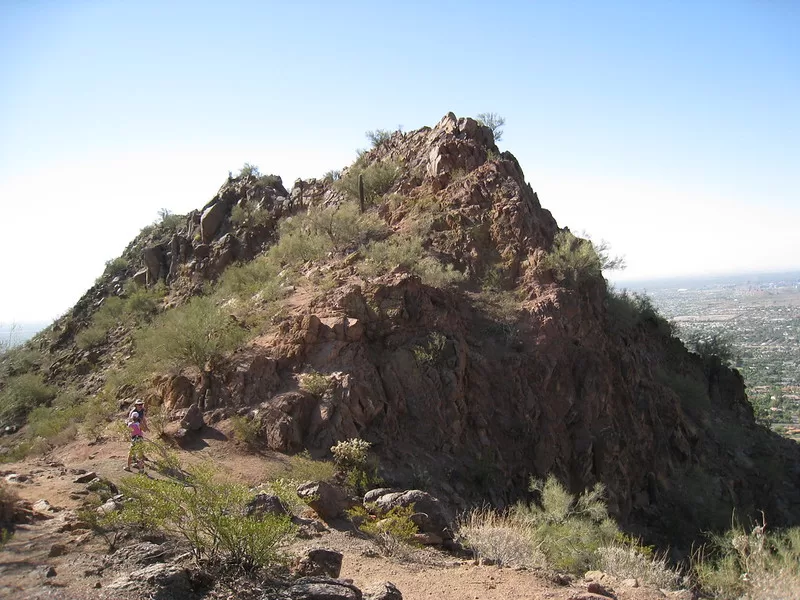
(759, 316)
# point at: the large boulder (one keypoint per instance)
(430, 515)
(193, 419)
(328, 501)
(319, 562)
(266, 504)
(383, 591)
(211, 220)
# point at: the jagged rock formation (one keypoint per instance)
(474, 391)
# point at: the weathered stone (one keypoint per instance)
(171, 581)
(428, 539)
(383, 591)
(324, 589)
(266, 504)
(16, 478)
(319, 562)
(328, 501)
(43, 506)
(211, 220)
(595, 588)
(108, 507)
(85, 478)
(630, 583)
(429, 514)
(193, 419)
(57, 550)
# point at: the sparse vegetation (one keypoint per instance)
(494, 122)
(561, 531)
(576, 261)
(378, 136)
(21, 394)
(628, 310)
(351, 458)
(407, 252)
(392, 532)
(430, 352)
(755, 564)
(193, 334)
(379, 177)
(314, 383)
(715, 348)
(246, 430)
(250, 215)
(209, 515)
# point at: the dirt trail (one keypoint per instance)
(58, 557)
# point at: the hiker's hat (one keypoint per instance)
(138, 402)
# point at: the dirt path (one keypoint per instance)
(58, 557)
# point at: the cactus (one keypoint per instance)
(361, 192)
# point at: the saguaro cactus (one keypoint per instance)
(361, 192)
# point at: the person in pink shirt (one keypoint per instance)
(135, 453)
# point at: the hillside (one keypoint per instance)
(444, 317)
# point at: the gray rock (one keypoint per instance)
(328, 501)
(266, 504)
(85, 478)
(430, 515)
(193, 419)
(383, 591)
(324, 589)
(320, 562)
(211, 220)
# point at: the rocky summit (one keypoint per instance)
(416, 300)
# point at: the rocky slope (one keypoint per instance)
(515, 371)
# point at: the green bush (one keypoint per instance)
(383, 256)
(193, 334)
(351, 458)
(116, 266)
(379, 177)
(251, 216)
(756, 564)
(136, 307)
(92, 336)
(715, 348)
(315, 383)
(259, 277)
(628, 310)
(246, 430)
(23, 393)
(564, 531)
(378, 136)
(430, 352)
(209, 516)
(393, 531)
(576, 261)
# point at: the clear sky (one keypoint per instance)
(669, 129)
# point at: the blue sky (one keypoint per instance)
(669, 129)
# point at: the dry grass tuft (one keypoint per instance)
(500, 537)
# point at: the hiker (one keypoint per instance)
(138, 407)
(136, 452)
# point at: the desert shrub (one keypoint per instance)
(247, 170)
(250, 216)
(193, 334)
(628, 310)
(209, 516)
(379, 177)
(430, 352)
(8, 505)
(98, 412)
(755, 564)
(257, 278)
(569, 530)
(392, 531)
(314, 383)
(58, 422)
(352, 459)
(378, 136)
(16, 360)
(332, 175)
(494, 122)
(383, 256)
(116, 266)
(576, 261)
(626, 561)
(23, 393)
(246, 430)
(500, 537)
(92, 336)
(714, 348)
